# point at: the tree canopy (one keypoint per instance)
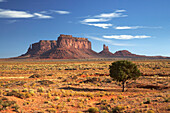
(124, 70)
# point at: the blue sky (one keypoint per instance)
(140, 26)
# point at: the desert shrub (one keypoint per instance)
(167, 99)
(35, 76)
(90, 95)
(4, 98)
(20, 83)
(50, 75)
(150, 111)
(104, 111)
(69, 100)
(93, 110)
(16, 94)
(15, 90)
(120, 97)
(16, 107)
(40, 89)
(46, 82)
(31, 91)
(79, 112)
(136, 111)
(26, 95)
(46, 102)
(118, 109)
(57, 98)
(19, 94)
(123, 70)
(51, 110)
(148, 101)
(80, 105)
(26, 103)
(25, 90)
(49, 95)
(6, 90)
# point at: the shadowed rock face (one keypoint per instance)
(68, 47)
(42, 46)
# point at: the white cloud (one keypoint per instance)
(95, 20)
(38, 15)
(55, 11)
(119, 11)
(62, 12)
(104, 26)
(108, 41)
(126, 37)
(2, 0)
(135, 27)
(128, 27)
(104, 17)
(6, 13)
(111, 15)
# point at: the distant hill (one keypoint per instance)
(68, 47)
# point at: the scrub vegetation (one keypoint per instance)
(82, 86)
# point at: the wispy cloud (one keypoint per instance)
(95, 20)
(104, 26)
(38, 15)
(61, 12)
(55, 11)
(134, 27)
(108, 41)
(128, 27)
(104, 17)
(120, 11)
(6, 13)
(2, 0)
(112, 15)
(126, 37)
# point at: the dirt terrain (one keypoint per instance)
(40, 86)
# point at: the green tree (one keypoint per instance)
(124, 70)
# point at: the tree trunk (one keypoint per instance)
(123, 86)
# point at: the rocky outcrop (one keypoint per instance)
(124, 53)
(69, 42)
(68, 47)
(105, 52)
(39, 48)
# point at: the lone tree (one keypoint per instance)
(124, 70)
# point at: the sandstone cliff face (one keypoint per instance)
(67, 41)
(66, 47)
(41, 47)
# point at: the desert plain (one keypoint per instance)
(77, 86)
